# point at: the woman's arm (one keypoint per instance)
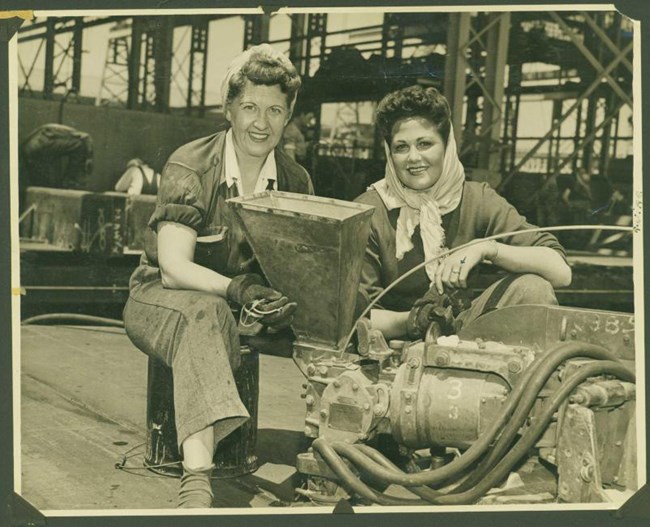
(176, 243)
(540, 260)
(543, 261)
(393, 324)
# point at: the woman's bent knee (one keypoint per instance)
(534, 289)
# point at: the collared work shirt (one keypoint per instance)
(193, 192)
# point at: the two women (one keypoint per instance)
(180, 311)
(424, 205)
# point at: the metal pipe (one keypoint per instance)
(74, 317)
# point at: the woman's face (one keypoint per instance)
(258, 116)
(417, 150)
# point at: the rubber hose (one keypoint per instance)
(74, 317)
(533, 388)
(537, 428)
(537, 373)
(352, 451)
(526, 442)
(357, 486)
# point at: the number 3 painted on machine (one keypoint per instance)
(455, 392)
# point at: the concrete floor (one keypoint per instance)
(84, 407)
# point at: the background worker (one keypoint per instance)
(138, 178)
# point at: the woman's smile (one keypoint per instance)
(417, 151)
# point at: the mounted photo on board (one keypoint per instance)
(378, 257)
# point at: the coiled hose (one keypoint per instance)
(567, 351)
(534, 379)
(383, 470)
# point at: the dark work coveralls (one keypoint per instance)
(195, 332)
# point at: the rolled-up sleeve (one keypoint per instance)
(500, 217)
(180, 198)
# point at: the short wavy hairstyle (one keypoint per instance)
(262, 65)
(414, 101)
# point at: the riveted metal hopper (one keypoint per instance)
(311, 249)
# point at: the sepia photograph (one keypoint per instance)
(314, 260)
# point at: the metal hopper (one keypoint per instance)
(311, 249)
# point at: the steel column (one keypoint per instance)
(297, 42)
(48, 84)
(455, 74)
(163, 48)
(76, 55)
(495, 68)
(256, 29)
(134, 64)
(198, 67)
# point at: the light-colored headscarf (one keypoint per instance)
(423, 207)
(265, 51)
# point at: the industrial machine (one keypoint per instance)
(545, 393)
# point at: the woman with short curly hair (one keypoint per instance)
(424, 206)
(179, 306)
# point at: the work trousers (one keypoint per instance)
(195, 334)
(514, 289)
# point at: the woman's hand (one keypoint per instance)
(453, 270)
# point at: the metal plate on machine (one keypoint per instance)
(540, 327)
(346, 417)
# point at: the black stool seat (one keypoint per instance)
(235, 455)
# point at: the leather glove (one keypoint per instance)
(247, 288)
(432, 307)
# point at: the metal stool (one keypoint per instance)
(235, 455)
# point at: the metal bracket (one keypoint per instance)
(579, 471)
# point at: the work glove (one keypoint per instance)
(434, 307)
(249, 292)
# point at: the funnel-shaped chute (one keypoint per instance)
(311, 249)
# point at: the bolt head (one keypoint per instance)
(514, 366)
(311, 369)
(309, 400)
(323, 414)
(407, 409)
(379, 409)
(337, 384)
(413, 362)
(366, 406)
(322, 370)
(408, 396)
(442, 359)
(355, 387)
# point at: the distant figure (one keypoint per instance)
(138, 178)
(56, 156)
(293, 139)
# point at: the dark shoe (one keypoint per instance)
(195, 491)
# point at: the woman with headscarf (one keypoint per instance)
(424, 206)
(179, 307)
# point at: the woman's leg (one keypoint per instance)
(196, 335)
(514, 289)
